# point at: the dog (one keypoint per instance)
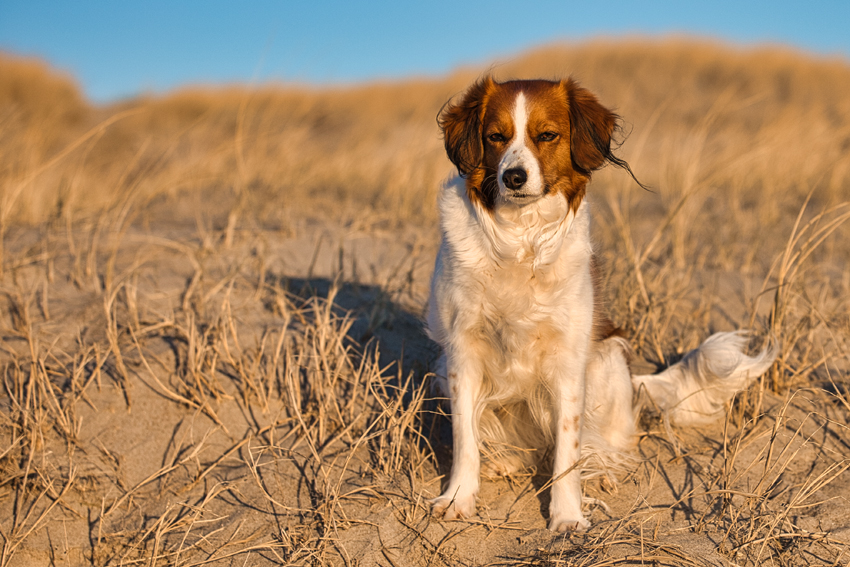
(531, 363)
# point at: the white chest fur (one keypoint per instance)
(511, 284)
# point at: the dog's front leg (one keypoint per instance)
(568, 394)
(464, 380)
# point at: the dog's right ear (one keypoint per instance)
(461, 126)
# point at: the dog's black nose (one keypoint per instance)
(514, 178)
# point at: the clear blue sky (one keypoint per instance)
(118, 48)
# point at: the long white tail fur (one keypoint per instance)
(694, 390)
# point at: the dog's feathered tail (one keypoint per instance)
(694, 390)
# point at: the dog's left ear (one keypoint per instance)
(591, 128)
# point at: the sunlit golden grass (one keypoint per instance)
(210, 347)
(761, 122)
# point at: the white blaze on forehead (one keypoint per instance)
(519, 154)
(520, 116)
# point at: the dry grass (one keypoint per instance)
(210, 348)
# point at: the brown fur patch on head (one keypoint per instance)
(477, 131)
(549, 116)
(462, 135)
(592, 128)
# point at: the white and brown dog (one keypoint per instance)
(530, 359)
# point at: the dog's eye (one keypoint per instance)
(547, 137)
(496, 138)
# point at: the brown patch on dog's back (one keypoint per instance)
(603, 327)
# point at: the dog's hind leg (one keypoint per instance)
(609, 433)
(609, 412)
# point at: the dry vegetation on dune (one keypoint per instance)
(210, 342)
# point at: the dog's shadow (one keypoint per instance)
(399, 334)
(401, 337)
(376, 317)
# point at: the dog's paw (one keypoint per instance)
(566, 524)
(453, 506)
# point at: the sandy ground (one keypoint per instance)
(210, 340)
(167, 455)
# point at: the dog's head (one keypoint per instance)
(521, 141)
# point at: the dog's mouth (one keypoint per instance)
(521, 197)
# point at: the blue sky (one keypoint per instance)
(119, 48)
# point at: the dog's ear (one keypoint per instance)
(461, 126)
(592, 126)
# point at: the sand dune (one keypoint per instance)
(211, 348)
